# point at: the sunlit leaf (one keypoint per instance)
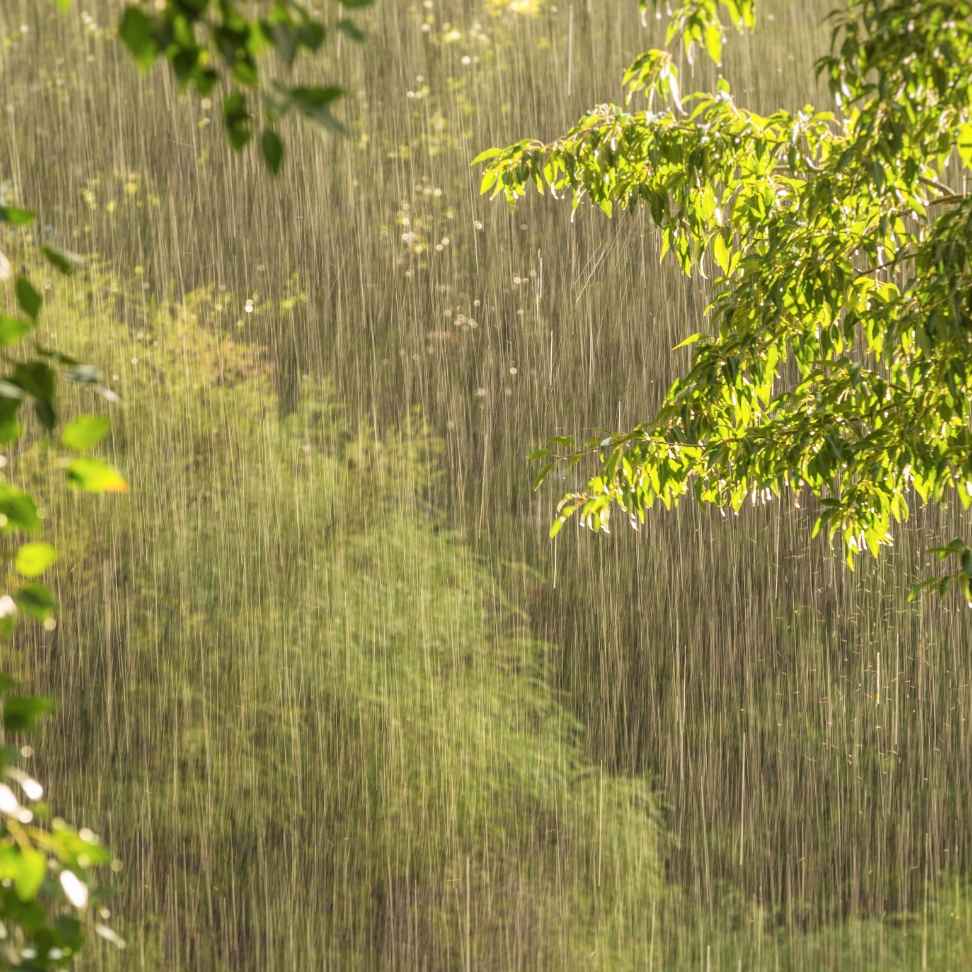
(95, 476)
(15, 216)
(31, 873)
(34, 558)
(86, 431)
(12, 329)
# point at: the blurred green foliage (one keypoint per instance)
(344, 720)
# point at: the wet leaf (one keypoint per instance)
(86, 431)
(29, 299)
(94, 476)
(34, 558)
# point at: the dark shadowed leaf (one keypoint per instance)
(237, 119)
(21, 712)
(350, 29)
(30, 301)
(67, 261)
(136, 34)
(272, 150)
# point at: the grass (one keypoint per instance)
(711, 683)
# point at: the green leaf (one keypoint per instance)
(273, 150)
(313, 103)
(19, 510)
(67, 261)
(688, 341)
(15, 216)
(95, 476)
(21, 712)
(30, 873)
(136, 34)
(539, 454)
(490, 153)
(34, 558)
(965, 144)
(713, 41)
(237, 119)
(45, 413)
(542, 475)
(12, 329)
(30, 301)
(85, 432)
(36, 378)
(349, 28)
(721, 253)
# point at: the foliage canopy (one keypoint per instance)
(839, 358)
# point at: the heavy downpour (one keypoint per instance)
(484, 485)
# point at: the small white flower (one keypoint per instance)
(76, 891)
(8, 802)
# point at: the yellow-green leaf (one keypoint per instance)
(965, 144)
(721, 253)
(34, 558)
(95, 476)
(12, 329)
(713, 41)
(30, 874)
(85, 432)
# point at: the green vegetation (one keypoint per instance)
(36, 929)
(210, 46)
(403, 779)
(838, 362)
(332, 696)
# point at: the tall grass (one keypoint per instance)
(733, 663)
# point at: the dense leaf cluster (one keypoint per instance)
(45, 865)
(839, 359)
(207, 42)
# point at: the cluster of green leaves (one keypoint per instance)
(839, 357)
(697, 23)
(31, 378)
(46, 890)
(44, 881)
(209, 42)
